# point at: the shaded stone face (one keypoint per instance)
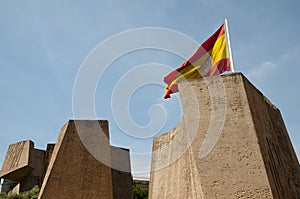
(80, 166)
(237, 147)
(23, 166)
(16, 165)
(121, 173)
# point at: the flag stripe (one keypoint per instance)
(219, 51)
(207, 45)
(210, 58)
(220, 67)
(210, 42)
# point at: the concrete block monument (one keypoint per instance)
(81, 167)
(81, 164)
(23, 167)
(231, 143)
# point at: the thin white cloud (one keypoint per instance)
(285, 60)
(262, 69)
(292, 53)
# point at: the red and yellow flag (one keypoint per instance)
(211, 58)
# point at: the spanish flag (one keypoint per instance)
(211, 58)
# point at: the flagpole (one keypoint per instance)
(229, 46)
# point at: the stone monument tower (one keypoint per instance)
(82, 164)
(231, 143)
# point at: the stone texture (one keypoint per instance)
(121, 173)
(73, 171)
(80, 146)
(16, 165)
(252, 158)
(23, 167)
(8, 186)
(84, 165)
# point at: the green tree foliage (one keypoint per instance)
(3, 195)
(139, 193)
(32, 194)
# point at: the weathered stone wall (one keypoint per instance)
(48, 154)
(24, 165)
(36, 159)
(238, 165)
(73, 171)
(279, 156)
(121, 173)
(16, 164)
(84, 165)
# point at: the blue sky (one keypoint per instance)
(43, 45)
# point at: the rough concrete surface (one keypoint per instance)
(22, 168)
(73, 172)
(80, 166)
(250, 157)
